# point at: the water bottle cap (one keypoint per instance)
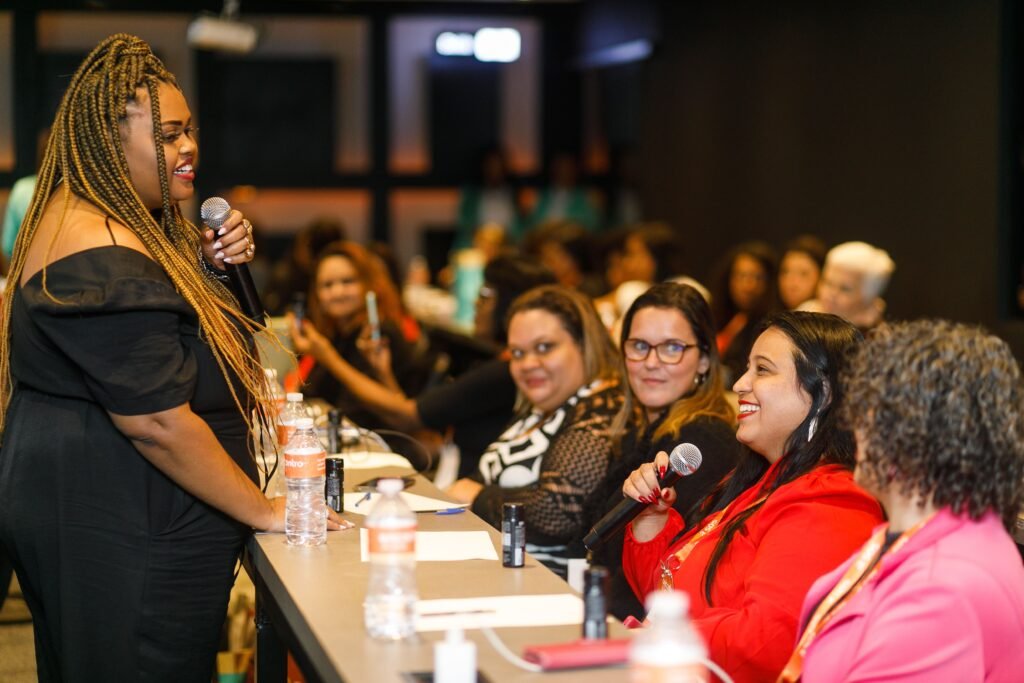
(668, 604)
(454, 636)
(294, 396)
(304, 423)
(390, 486)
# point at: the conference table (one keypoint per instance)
(309, 601)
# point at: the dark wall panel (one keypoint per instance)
(873, 120)
(267, 121)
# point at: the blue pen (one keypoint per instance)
(450, 511)
(363, 499)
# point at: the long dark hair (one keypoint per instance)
(821, 345)
(724, 307)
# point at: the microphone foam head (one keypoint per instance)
(214, 211)
(685, 459)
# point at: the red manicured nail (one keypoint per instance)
(661, 471)
(657, 492)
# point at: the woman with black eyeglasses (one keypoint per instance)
(674, 395)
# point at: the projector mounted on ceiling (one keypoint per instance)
(224, 33)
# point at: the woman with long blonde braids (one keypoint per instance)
(127, 377)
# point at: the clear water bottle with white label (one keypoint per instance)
(390, 605)
(668, 648)
(305, 519)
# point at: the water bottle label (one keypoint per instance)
(305, 463)
(284, 434)
(397, 540)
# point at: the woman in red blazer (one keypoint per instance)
(788, 514)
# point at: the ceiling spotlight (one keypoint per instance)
(224, 33)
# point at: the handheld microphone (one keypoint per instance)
(683, 461)
(214, 212)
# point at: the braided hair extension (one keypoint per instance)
(85, 157)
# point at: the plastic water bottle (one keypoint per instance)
(667, 648)
(294, 410)
(390, 606)
(276, 390)
(305, 519)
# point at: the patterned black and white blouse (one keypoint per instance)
(550, 463)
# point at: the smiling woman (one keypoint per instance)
(558, 448)
(127, 480)
(674, 395)
(789, 512)
(338, 329)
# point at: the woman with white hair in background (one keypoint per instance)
(855, 277)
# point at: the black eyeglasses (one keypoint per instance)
(669, 352)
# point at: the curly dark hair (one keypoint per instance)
(939, 406)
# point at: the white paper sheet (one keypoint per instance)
(362, 460)
(498, 611)
(415, 502)
(444, 546)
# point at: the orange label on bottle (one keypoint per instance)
(305, 463)
(392, 540)
(284, 434)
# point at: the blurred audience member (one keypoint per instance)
(478, 404)
(559, 447)
(607, 251)
(937, 593)
(291, 275)
(674, 395)
(18, 201)
(564, 199)
(800, 270)
(855, 277)
(624, 202)
(338, 329)
(745, 293)
(564, 248)
(650, 253)
(488, 200)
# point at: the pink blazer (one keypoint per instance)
(947, 606)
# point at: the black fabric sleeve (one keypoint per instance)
(574, 464)
(124, 336)
(482, 390)
(402, 357)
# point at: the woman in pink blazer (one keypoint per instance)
(937, 594)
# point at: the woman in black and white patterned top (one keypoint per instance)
(558, 447)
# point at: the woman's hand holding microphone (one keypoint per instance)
(642, 485)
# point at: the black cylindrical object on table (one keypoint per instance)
(513, 535)
(595, 603)
(334, 484)
(333, 428)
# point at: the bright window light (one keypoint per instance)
(450, 44)
(497, 45)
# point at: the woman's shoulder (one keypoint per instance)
(831, 485)
(599, 398)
